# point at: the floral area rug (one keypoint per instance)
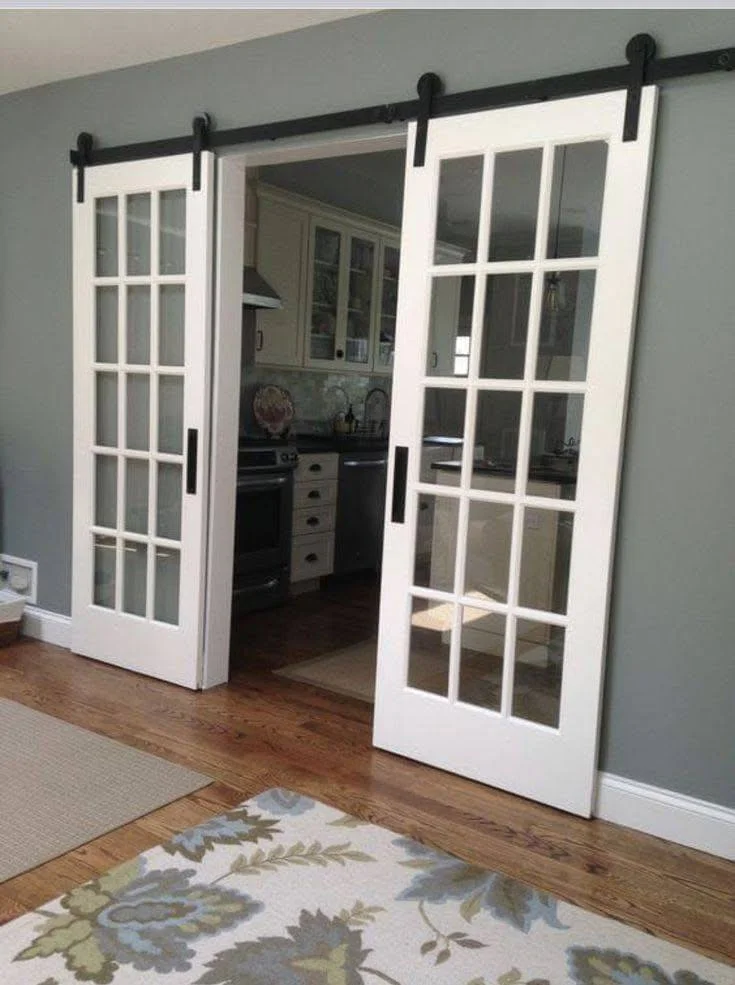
(283, 890)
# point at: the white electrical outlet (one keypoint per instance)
(20, 576)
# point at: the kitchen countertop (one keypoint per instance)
(341, 443)
(536, 474)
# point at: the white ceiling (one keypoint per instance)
(42, 45)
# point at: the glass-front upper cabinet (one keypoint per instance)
(324, 308)
(386, 337)
(342, 298)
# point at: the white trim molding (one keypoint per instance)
(51, 627)
(666, 814)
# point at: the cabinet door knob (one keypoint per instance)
(311, 558)
(315, 494)
(316, 467)
(340, 354)
(313, 521)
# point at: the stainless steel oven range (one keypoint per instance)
(263, 524)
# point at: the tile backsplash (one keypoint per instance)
(317, 396)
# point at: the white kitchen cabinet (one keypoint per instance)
(314, 512)
(337, 274)
(341, 298)
(281, 259)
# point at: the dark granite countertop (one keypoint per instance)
(341, 443)
(536, 474)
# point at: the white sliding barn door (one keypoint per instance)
(522, 238)
(142, 338)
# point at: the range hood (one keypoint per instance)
(257, 292)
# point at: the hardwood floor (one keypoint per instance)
(261, 731)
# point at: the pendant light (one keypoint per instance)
(555, 293)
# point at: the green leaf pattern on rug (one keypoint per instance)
(443, 877)
(130, 917)
(233, 828)
(298, 854)
(318, 950)
(591, 966)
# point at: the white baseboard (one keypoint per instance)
(51, 627)
(666, 814)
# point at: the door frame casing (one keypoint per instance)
(231, 171)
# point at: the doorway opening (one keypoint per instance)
(322, 237)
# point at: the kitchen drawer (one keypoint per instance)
(318, 520)
(312, 556)
(309, 494)
(321, 465)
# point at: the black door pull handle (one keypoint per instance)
(192, 443)
(313, 521)
(316, 467)
(400, 472)
(315, 494)
(311, 558)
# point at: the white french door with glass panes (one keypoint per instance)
(509, 397)
(142, 336)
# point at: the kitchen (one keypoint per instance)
(322, 254)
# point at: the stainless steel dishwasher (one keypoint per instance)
(358, 542)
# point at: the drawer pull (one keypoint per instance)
(314, 494)
(313, 521)
(311, 558)
(316, 467)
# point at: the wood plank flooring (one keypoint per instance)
(261, 731)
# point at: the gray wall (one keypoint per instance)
(668, 705)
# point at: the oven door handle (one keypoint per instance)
(263, 481)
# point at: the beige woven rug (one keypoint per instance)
(62, 786)
(350, 671)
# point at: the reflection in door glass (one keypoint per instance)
(105, 551)
(138, 234)
(172, 239)
(168, 576)
(136, 495)
(105, 220)
(481, 658)
(138, 416)
(105, 491)
(545, 558)
(488, 551)
(436, 542)
(495, 450)
(106, 327)
(505, 326)
(139, 324)
(135, 577)
(106, 394)
(450, 326)
(566, 319)
(539, 663)
(429, 644)
(577, 191)
(516, 183)
(555, 446)
(458, 210)
(442, 435)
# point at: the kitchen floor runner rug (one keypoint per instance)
(283, 890)
(61, 786)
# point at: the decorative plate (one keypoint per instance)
(273, 408)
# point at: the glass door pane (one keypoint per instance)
(359, 300)
(325, 293)
(388, 306)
